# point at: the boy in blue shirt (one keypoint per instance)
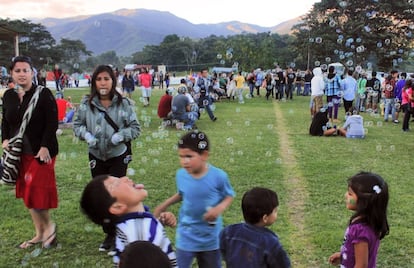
(251, 244)
(205, 192)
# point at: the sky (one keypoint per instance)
(263, 13)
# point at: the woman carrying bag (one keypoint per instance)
(36, 181)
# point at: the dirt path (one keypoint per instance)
(295, 183)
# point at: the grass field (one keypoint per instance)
(259, 143)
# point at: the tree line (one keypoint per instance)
(367, 33)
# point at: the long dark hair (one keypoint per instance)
(94, 90)
(371, 207)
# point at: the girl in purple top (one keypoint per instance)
(367, 195)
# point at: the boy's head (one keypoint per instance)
(143, 254)
(259, 205)
(106, 197)
(196, 141)
(193, 152)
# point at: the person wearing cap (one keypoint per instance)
(205, 192)
(181, 108)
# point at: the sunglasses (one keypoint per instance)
(22, 59)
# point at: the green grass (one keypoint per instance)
(246, 144)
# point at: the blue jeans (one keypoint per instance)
(189, 119)
(205, 259)
(306, 89)
(205, 102)
(251, 88)
(389, 106)
(298, 89)
(289, 91)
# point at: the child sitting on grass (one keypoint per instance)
(252, 244)
(119, 200)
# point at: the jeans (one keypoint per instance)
(306, 89)
(205, 259)
(280, 91)
(298, 89)
(205, 102)
(189, 119)
(333, 104)
(389, 106)
(251, 88)
(289, 91)
(239, 93)
(58, 85)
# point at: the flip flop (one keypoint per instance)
(28, 244)
(52, 238)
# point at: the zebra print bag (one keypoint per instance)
(11, 157)
(11, 160)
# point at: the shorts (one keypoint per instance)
(146, 92)
(317, 102)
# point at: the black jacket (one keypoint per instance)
(41, 130)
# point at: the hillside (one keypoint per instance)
(128, 30)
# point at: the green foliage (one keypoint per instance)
(35, 41)
(355, 32)
(249, 143)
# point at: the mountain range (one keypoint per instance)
(127, 31)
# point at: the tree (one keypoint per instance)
(71, 52)
(34, 41)
(368, 33)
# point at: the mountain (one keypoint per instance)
(128, 30)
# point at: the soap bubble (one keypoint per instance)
(349, 63)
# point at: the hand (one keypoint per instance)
(116, 138)
(44, 155)
(5, 145)
(168, 219)
(335, 259)
(90, 139)
(212, 214)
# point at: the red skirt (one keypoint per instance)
(36, 183)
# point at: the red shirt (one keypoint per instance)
(145, 79)
(164, 106)
(61, 106)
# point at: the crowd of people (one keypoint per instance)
(107, 122)
(359, 92)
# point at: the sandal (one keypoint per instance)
(28, 244)
(51, 240)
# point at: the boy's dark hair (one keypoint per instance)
(96, 201)
(196, 141)
(258, 202)
(372, 193)
(143, 254)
